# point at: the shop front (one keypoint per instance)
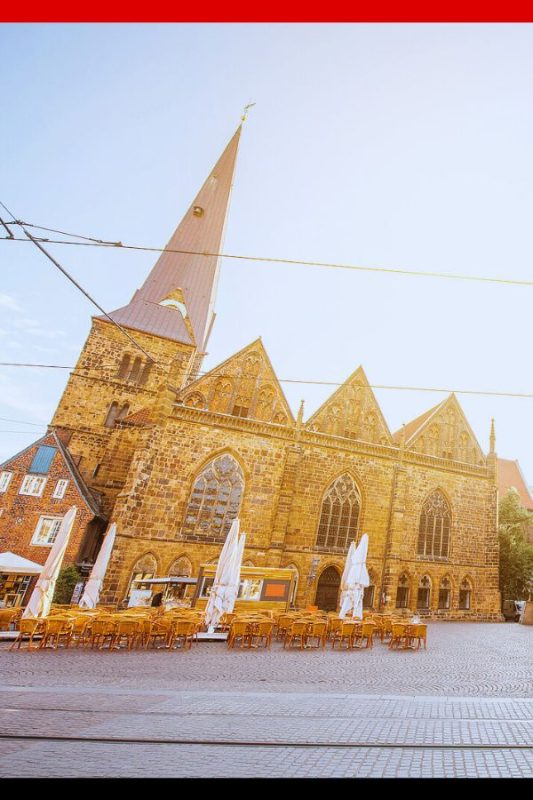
(17, 578)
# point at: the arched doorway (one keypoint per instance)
(327, 592)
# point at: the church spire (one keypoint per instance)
(177, 298)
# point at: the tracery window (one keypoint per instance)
(434, 529)
(465, 595)
(180, 567)
(339, 514)
(215, 498)
(144, 569)
(445, 594)
(424, 593)
(402, 592)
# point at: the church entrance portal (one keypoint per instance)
(327, 593)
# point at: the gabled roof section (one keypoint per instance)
(444, 431)
(243, 385)
(51, 438)
(510, 477)
(353, 412)
(201, 231)
(412, 427)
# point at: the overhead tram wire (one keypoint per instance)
(301, 381)
(90, 241)
(77, 285)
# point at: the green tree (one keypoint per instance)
(516, 555)
(67, 580)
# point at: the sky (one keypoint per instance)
(402, 146)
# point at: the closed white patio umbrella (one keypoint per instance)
(226, 583)
(41, 598)
(91, 593)
(354, 579)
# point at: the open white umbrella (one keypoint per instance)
(91, 593)
(354, 579)
(226, 583)
(41, 597)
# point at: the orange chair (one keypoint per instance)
(28, 628)
(185, 633)
(318, 631)
(262, 633)
(344, 633)
(57, 630)
(240, 629)
(298, 631)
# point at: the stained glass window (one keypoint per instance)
(215, 498)
(339, 514)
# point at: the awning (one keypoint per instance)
(13, 564)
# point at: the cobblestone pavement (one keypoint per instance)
(464, 708)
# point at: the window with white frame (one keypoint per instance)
(47, 530)
(5, 480)
(60, 489)
(33, 484)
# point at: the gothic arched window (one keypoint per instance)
(144, 569)
(111, 415)
(215, 498)
(465, 595)
(124, 367)
(445, 594)
(339, 514)
(402, 592)
(424, 593)
(135, 370)
(434, 529)
(180, 567)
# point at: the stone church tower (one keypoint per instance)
(170, 317)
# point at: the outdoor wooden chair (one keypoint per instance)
(80, 633)
(225, 621)
(298, 631)
(28, 628)
(334, 626)
(318, 631)
(240, 630)
(363, 633)
(418, 634)
(163, 631)
(102, 630)
(343, 634)
(185, 634)
(399, 636)
(57, 630)
(262, 634)
(128, 631)
(284, 623)
(9, 618)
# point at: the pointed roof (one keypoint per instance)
(415, 428)
(219, 371)
(412, 427)
(91, 499)
(359, 379)
(201, 230)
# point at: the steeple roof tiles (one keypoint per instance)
(201, 231)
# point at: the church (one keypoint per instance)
(172, 454)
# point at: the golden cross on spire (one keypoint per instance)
(245, 111)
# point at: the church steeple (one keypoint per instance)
(177, 298)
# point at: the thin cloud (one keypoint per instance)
(7, 301)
